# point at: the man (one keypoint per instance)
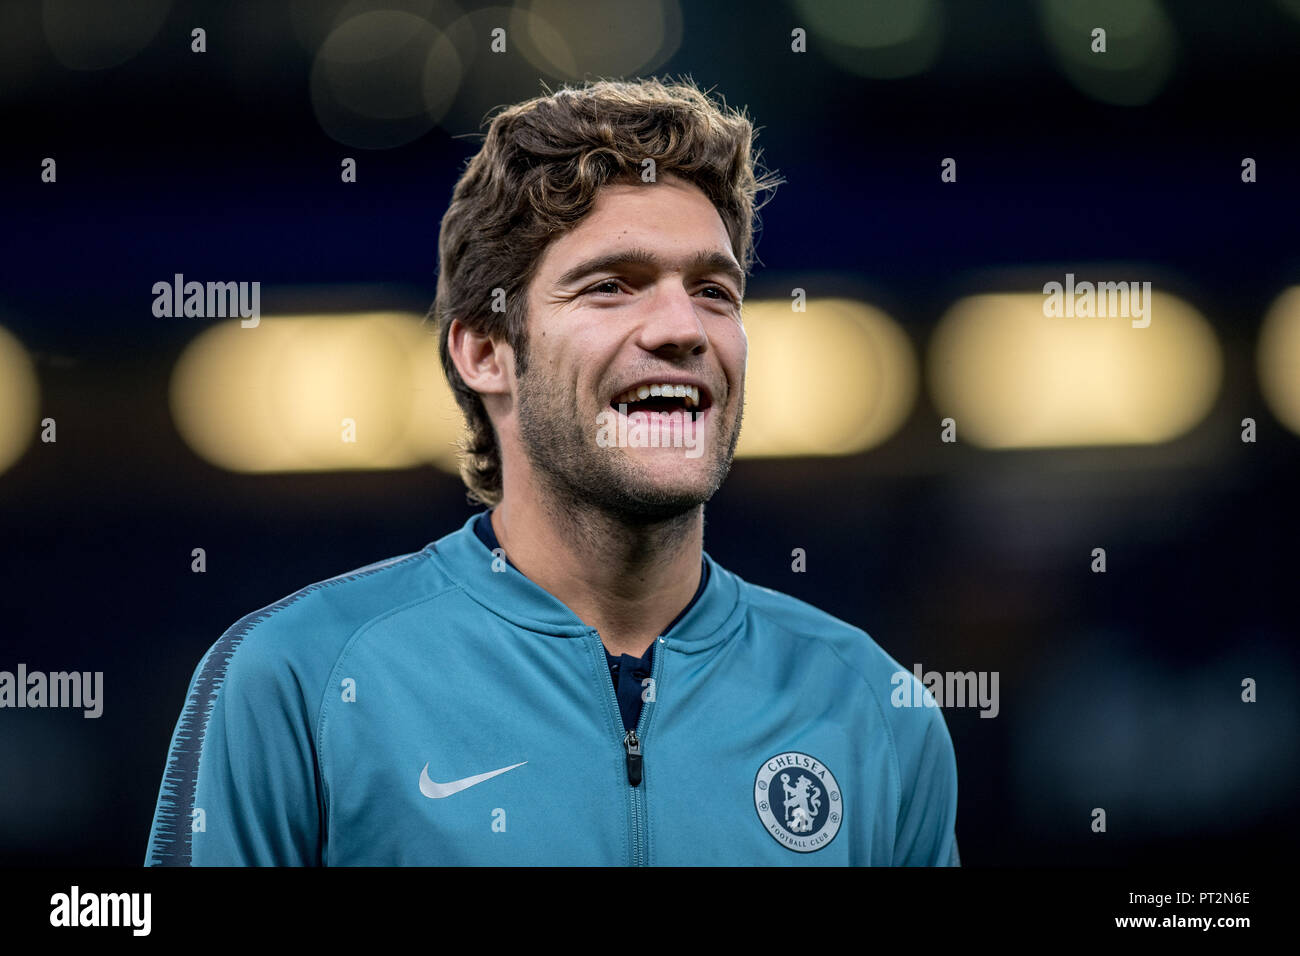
(569, 678)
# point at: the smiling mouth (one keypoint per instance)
(664, 399)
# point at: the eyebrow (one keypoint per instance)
(698, 264)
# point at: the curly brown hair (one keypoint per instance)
(537, 175)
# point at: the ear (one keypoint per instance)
(486, 364)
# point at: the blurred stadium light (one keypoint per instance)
(316, 393)
(385, 72)
(383, 78)
(1139, 52)
(1279, 358)
(878, 39)
(1012, 377)
(88, 35)
(835, 380)
(19, 399)
(602, 39)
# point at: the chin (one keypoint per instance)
(671, 494)
(644, 497)
(652, 509)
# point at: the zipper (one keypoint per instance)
(633, 744)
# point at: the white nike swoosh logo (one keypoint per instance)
(436, 791)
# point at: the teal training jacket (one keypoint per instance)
(440, 708)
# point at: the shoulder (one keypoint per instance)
(294, 642)
(914, 723)
(799, 620)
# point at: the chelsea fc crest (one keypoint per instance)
(798, 800)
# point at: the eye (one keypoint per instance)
(724, 294)
(603, 284)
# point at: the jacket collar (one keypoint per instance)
(715, 616)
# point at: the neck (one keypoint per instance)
(625, 578)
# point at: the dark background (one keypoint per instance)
(1118, 690)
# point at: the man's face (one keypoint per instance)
(644, 293)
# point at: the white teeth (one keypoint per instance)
(691, 393)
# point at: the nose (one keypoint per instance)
(672, 324)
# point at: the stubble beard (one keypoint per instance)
(580, 475)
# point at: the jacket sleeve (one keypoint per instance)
(927, 817)
(241, 784)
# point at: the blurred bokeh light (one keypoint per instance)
(835, 380)
(1140, 44)
(878, 39)
(1012, 377)
(19, 399)
(597, 38)
(383, 79)
(1279, 358)
(92, 35)
(314, 393)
